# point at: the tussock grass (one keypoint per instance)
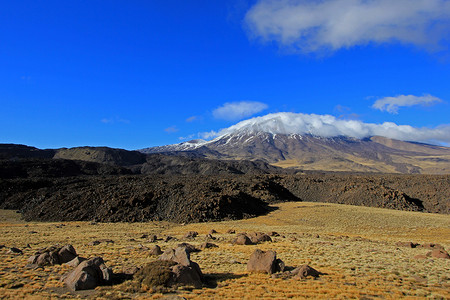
(353, 246)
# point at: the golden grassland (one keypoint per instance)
(353, 246)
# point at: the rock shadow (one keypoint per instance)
(211, 280)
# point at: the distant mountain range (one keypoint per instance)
(275, 141)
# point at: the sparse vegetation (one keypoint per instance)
(355, 248)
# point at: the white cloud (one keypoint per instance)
(208, 135)
(171, 129)
(233, 111)
(329, 25)
(192, 119)
(114, 121)
(329, 126)
(392, 104)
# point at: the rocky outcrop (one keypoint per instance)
(54, 255)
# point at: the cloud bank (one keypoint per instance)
(329, 25)
(233, 111)
(330, 126)
(392, 104)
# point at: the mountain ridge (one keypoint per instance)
(309, 152)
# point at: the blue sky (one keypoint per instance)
(134, 74)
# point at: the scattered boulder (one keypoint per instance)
(142, 247)
(305, 271)
(208, 245)
(153, 238)
(130, 270)
(156, 250)
(66, 254)
(242, 239)
(186, 275)
(231, 231)
(94, 243)
(406, 244)
(186, 272)
(14, 250)
(190, 248)
(169, 238)
(54, 255)
(259, 237)
(265, 261)
(76, 261)
(212, 231)
(273, 233)
(210, 237)
(167, 274)
(190, 235)
(438, 253)
(432, 246)
(88, 275)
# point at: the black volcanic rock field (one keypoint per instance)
(199, 198)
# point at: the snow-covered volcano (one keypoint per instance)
(323, 142)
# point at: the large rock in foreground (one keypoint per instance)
(183, 271)
(265, 262)
(88, 275)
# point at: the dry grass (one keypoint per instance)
(354, 246)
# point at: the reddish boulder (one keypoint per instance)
(53, 255)
(190, 248)
(88, 275)
(208, 245)
(432, 246)
(264, 261)
(242, 239)
(259, 237)
(76, 261)
(305, 271)
(406, 244)
(156, 250)
(438, 253)
(190, 235)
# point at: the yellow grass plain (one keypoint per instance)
(353, 246)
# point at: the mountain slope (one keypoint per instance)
(275, 141)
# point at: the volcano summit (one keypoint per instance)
(325, 143)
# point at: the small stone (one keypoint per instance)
(305, 271)
(156, 250)
(14, 250)
(190, 235)
(208, 245)
(438, 253)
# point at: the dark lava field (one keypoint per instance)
(112, 196)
